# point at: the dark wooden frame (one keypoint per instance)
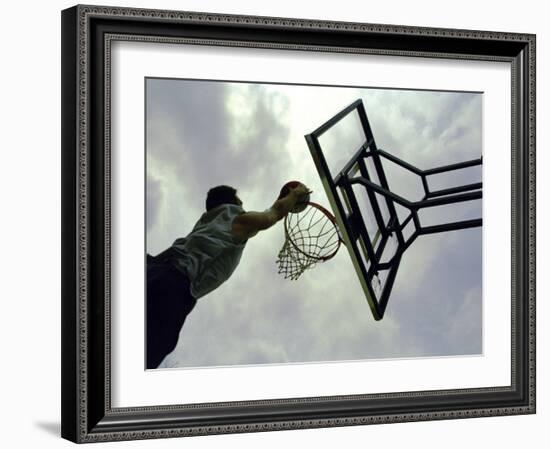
(87, 414)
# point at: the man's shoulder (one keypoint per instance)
(219, 219)
(224, 208)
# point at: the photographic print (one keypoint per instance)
(241, 271)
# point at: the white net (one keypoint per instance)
(292, 263)
(311, 236)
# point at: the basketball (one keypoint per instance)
(299, 207)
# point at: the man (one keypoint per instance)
(199, 263)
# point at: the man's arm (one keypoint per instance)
(249, 224)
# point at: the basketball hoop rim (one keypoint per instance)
(332, 219)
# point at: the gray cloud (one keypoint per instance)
(154, 197)
(195, 116)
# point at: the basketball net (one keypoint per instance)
(311, 236)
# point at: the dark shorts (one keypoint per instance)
(169, 301)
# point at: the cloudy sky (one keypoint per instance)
(205, 133)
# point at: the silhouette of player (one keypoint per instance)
(203, 260)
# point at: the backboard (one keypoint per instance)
(376, 224)
(366, 219)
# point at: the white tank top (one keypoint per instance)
(210, 253)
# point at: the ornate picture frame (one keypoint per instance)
(88, 33)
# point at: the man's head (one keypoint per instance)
(222, 195)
